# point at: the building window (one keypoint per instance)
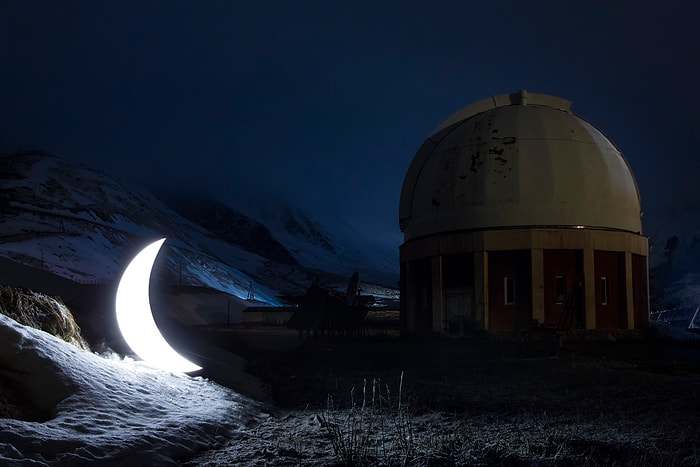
(509, 290)
(560, 289)
(604, 290)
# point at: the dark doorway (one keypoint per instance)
(510, 289)
(640, 292)
(610, 297)
(458, 289)
(423, 295)
(563, 289)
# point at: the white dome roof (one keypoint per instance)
(518, 160)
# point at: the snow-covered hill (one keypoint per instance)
(673, 229)
(289, 235)
(108, 411)
(83, 225)
(337, 245)
(230, 225)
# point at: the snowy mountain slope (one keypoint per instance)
(84, 225)
(673, 228)
(334, 245)
(664, 223)
(231, 226)
(65, 218)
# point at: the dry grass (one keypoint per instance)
(376, 432)
(395, 436)
(42, 312)
(475, 402)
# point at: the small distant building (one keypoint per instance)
(268, 315)
(518, 213)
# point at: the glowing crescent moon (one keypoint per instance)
(135, 318)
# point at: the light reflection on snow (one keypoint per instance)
(107, 410)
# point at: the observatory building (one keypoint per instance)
(518, 213)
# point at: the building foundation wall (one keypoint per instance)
(424, 296)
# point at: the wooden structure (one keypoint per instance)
(324, 312)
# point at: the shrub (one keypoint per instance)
(379, 431)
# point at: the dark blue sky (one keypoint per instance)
(325, 103)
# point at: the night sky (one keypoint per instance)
(325, 103)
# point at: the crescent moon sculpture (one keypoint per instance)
(135, 317)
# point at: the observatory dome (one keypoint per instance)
(518, 160)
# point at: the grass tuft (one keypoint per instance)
(376, 432)
(39, 311)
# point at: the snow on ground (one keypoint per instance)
(109, 410)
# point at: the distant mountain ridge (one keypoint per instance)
(231, 226)
(335, 245)
(292, 236)
(81, 224)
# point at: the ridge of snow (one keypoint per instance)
(107, 410)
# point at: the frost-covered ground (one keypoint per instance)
(463, 402)
(108, 410)
(475, 402)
